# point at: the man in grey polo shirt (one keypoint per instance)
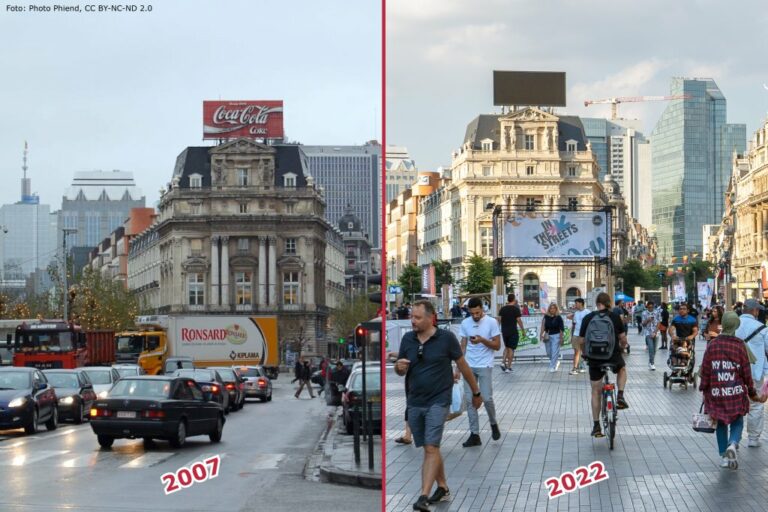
(426, 354)
(480, 338)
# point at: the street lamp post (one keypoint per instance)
(67, 231)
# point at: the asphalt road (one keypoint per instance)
(264, 450)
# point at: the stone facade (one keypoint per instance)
(241, 230)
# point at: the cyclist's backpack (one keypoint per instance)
(600, 339)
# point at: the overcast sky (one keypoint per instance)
(125, 91)
(441, 54)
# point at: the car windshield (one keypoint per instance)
(141, 387)
(63, 380)
(205, 375)
(178, 365)
(130, 344)
(100, 376)
(128, 372)
(46, 341)
(372, 381)
(249, 372)
(15, 380)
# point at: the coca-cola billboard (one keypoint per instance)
(250, 119)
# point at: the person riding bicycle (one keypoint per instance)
(683, 332)
(603, 304)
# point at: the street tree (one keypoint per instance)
(355, 311)
(410, 280)
(632, 274)
(479, 275)
(443, 280)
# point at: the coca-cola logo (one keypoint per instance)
(229, 118)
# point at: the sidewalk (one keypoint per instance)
(338, 464)
(659, 462)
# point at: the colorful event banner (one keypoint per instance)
(556, 235)
(705, 294)
(543, 297)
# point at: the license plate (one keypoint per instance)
(126, 414)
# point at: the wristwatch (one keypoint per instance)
(476, 394)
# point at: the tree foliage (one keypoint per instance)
(355, 311)
(410, 281)
(479, 275)
(632, 274)
(100, 303)
(443, 274)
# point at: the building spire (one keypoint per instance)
(26, 183)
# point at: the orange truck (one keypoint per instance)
(57, 344)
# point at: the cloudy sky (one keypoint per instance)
(125, 91)
(441, 53)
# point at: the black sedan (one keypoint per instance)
(26, 399)
(156, 407)
(234, 384)
(210, 382)
(74, 391)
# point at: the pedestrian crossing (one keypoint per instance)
(127, 459)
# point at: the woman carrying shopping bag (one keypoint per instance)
(552, 328)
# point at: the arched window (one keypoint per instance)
(570, 297)
(531, 289)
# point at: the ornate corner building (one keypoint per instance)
(240, 230)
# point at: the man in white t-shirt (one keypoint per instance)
(480, 339)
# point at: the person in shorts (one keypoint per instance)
(510, 319)
(603, 304)
(426, 355)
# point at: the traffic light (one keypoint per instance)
(341, 341)
(360, 334)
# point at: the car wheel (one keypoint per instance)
(269, 398)
(215, 436)
(79, 414)
(105, 441)
(148, 442)
(180, 438)
(53, 422)
(31, 428)
(263, 399)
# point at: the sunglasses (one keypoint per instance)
(420, 353)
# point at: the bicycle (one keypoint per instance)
(608, 412)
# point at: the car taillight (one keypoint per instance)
(230, 386)
(153, 414)
(241, 386)
(352, 397)
(215, 389)
(103, 413)
(262, 383)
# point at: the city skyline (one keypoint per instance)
(450, 78)
(133, 101)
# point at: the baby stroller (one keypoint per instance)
(681, 363)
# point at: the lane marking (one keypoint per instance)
(25, 459)
(147, 460)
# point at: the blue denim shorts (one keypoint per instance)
(427, 424)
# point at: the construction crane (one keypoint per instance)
(628, 99)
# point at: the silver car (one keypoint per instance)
(257, 384)
(129, 370)
(103, 378)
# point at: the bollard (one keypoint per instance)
(370, 436)
(356, 432)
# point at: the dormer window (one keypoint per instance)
(289, 180)
(571, 146)
(350, 226)
(242, 177)
(195, 181)
(487, 145)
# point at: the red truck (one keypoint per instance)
(58, 344)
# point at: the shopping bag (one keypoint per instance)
(703, 422)
(457, 401)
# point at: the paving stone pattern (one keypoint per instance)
(659, 462)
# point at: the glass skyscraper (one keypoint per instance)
(692, 147)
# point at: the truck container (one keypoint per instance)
(210, 340)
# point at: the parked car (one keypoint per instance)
(368, 364)
(257, 383)
(178, 363)
(74, 392)
(234, 384)
(156, 407)
(210, 382)
(129, 370)
(351, 399)
(102, 378)
(26, 399)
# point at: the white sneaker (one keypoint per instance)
(754, 443)
(552, 370)
(557, 366)
(724, 462)
(730, 454)
(652, 367)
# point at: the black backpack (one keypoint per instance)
(600, 338)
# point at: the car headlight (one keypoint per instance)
(67, 400)
(17, 402)
(103, 394)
